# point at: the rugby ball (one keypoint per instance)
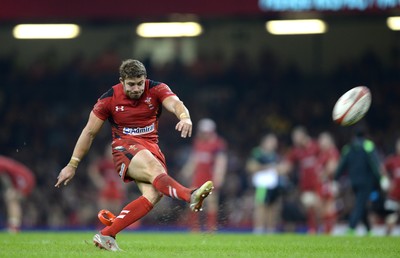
(352, 106)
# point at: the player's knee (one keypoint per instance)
(392, 218)
(309, 199)
(145, 167)
(153, 196)
(155, 168)
(12, 195)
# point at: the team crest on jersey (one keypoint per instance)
(133, 147)
(148, 102)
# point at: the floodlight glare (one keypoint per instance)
(46, 31)
(169, 29)
(393, 22)
(293, 27)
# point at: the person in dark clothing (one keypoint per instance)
(360, 160)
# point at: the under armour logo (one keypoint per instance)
(119, 108)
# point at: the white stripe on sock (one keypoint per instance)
(170, 190)
(123, 214)
(175, 194)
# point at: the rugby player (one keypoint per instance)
(208, 161)
(133, 107)
(18, 182)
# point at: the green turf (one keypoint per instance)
(165, 245)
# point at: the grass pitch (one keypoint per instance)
(165, 245)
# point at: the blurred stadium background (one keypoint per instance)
(247, 79)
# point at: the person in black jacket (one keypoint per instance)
(360, 160)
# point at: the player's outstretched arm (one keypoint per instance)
(174, 105)
(82, 146)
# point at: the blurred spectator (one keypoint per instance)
(208, 161)
(18, 182)
(263, 167)
(360, 160)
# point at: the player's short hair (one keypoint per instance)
(131, 68)
(301, 129)
(206, 125)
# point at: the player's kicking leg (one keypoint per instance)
(196, 203)
(144, 167)
(117, 223)
(198, 196)
(106, 242)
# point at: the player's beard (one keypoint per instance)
(134, 95)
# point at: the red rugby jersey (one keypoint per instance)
(21, 176)
(327, 155)
(392, 165)
(306, 158)
(133, 118)
(205, 153)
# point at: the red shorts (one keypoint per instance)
(327, 191)
(123, 150)
(307, 187)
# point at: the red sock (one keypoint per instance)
(129, 214)
(194, 221)
(212, 221)
(329, 222)
(312, 221)
(168, 186)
